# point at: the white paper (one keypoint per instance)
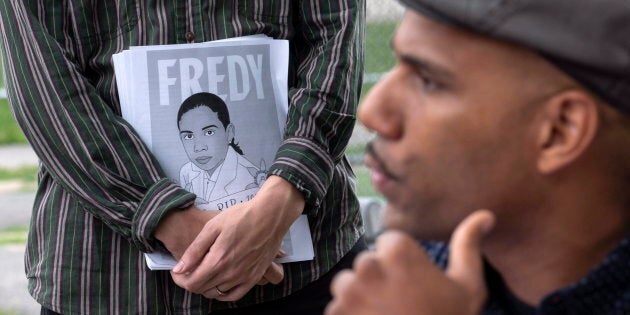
(249, 74)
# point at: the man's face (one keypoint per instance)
(204, 138)
(453, 123)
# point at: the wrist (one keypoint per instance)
(171, 226)
(284, 199)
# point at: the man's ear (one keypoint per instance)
(230, 131)
(569, 124)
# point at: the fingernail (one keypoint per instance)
(179, 267)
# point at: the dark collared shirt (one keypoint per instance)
(101, 192)
(605, 290)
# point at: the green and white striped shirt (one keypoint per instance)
(101, 192)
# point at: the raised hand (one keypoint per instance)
(398, 278)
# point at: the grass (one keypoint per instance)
(9, 131)
(356, 150)
(18, 180)
(378, 55)
(24, 174)
(15, 235)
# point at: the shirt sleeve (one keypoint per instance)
(327, 60)
(87, 148)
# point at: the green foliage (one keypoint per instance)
(378, 55)
(364, 184)
(9, 130)
(13, 235)
(27, 174)
(356, 150)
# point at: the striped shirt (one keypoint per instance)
(101, 192)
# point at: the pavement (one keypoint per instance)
(16, 156)
(15, 210)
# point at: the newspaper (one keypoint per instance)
(213, 115)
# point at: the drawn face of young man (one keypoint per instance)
(453, 120)
(205, 139)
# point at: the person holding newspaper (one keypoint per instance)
(519, 107)
(103, 200)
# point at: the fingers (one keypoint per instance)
(197, 250)
(230, 285)
(235, 293)
(354, 290)
(398, 248)
(465, 261)
(281, 253)
(274, 274)
(263, 281)
(228, 295)
(342, 281)
(367, 267)
(214, 292)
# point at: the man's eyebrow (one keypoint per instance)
(209, 126)
(422, 64)
(426, 66)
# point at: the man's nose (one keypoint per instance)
(200, 146)
(380, 111)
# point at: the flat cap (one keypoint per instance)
(588, 39)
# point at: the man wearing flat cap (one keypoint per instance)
(521, 108)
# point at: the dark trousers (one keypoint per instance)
(310, 300)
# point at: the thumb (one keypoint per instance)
(274, 274)
(465, 263)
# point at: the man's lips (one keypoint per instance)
(203, 159)
(380, 176)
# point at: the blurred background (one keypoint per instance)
(18, 166)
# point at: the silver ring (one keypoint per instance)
(219, 291)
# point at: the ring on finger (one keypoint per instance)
(219, 291)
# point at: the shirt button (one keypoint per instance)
(190, 36)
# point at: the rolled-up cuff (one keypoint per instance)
(163, 196)
(307, 166)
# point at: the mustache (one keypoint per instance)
(371, 152)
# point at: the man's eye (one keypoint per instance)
(430, 84)
(209, 132)
(187, 136)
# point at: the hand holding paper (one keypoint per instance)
(179, 228)
(235, 249)
(200, 108)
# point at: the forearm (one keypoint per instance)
(323, 97)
